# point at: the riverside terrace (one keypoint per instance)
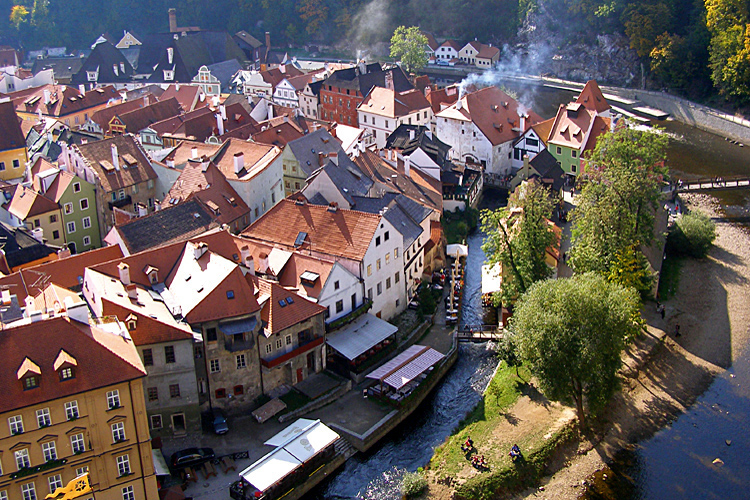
(351, 416)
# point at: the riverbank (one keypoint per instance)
(710, 307)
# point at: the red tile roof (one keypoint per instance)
(256, 157)
(147, 329)
(275, 75)
(279, 318)
(278, 135)
(94, 153)
(63, 100)
(187, 95)
(28, 203)
(298, 264)
(592, 98)
(386, 102)
(571, 126)
(343, 233)
(102, 116)
(141, 118)
(11, 135)
(445, 96)
(103, 359)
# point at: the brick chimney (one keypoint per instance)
(172, 20)
(239, 162)
(268, 40)
(124, 273)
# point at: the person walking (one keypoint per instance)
(677, 330)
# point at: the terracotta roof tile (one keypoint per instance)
(571, 126)
(11, 135)
(187, 95)
(63, 100)
(102, 116)
(387, 102)
(279, 317)
(28, 203)
(592, 98)
(256, 157)
(278, 135)
(103, 359)
(141, 118)
(128, 175)
(343, 233)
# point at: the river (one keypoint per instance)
(673, 464)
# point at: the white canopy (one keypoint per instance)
(270, 469)
(456, 250)
(491, 279)
(406, 366)
(360, 335)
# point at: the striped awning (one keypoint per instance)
(406, 366)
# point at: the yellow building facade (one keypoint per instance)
(13, 163)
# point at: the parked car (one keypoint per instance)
(219, 422)
(190, 457)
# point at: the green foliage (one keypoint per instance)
(727, 21)
(458, 225)
(619, 199)
(18, 15)
(427, 301)
(518, 238)
(408, 45)
(413, 484)
(692, 235)
(630, 268)
(507, 351)
(571, 333)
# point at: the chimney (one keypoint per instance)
(411, 134)
(522, 120)
(132, 291)
(282, 69)
(46, 96)
(459, 104)
(170, 54)
(239, 162)
(268, 39)
(223, 111)
(77, 311)
(526, 167)
(333, 206)
(334, 157)
(362, 67)
(389, 80)
(194, 152)
(199, 249)
(35, 316)
(428, 133)
(172, 19)
(247, 259)
(407, 166)
(115, 157)
(219, 124)
(263, 264)
(82, 87)
(63, 253)
(124, 273)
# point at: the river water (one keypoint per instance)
(676, 463)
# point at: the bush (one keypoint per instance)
(413, 484)
(693, 235)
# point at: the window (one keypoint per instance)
(22, 458)
(71, 227)
(68, 208)
(71, 410)
(573, 168)
(559, 150)
(42, 418)
(387, 283)
(336, 285)
(395, 253)
(153, 393)
(148, 357)
(127, 492)
(113, 399)
(86, 221)
(221, 393)
(278, 343)
(66, 373)
(386, 236)
(77, 443)
(377, 264)
(377, 241)
(84, 204)
(16, 424)
(380, 288)
(269, 348)
(169, 354)
(77, 187)
(2, 166)
(49, 451)
(118, 432)
(53, 218)
(396, 277)
(86, 241)
(30, 382)
(369, 293)
(16, 164)
(197, 352)
(369, 269)
(54, 482)
(573, 153)
(123, 465)
(387, 259)
(121, 194)
(28, 491)
(55, 234)
(156, 421)
(339, 306)
(210, 334)
(214, 366)
(288, 340)
(150, 184)
(241, 361)
(238, 390)
(80, 471)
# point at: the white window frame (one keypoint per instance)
(69, 225)
(86, 241)
(49, 451)
(16, 424)
(118, 432)
(113, 399)
(241, 362)
(80, 203)
(80, 471)
(76, 187)
(214, 366)
(54, 482)
(28, 491)
(71, 410)
(77, 443)
(161, 422)
(128, 493)
(22, 458)
(123, 465)
(68, 208)
(43, 418)
(269, 348)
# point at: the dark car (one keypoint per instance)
(190, 457)
(220, 422)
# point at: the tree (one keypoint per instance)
(518, 237)
(693, 235)
(619, 198)
(571, 333)
(18, 15)
(315, 13)
(631, 268)
(408, 45)
(729, 51)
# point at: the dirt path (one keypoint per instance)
(711, 309)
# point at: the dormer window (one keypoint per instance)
(65, 365)
(152, 273)
(67, 373)
(92, 76)
(30, 382)
(29, 372)
(168, 75)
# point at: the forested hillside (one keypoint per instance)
(700, 48)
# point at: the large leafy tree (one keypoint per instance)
(408, 45)
(619, 198)
(518, 237)
(571, 334)
(729, 59)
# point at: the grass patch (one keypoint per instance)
(669, 280)
(480, 422)
(294, 400)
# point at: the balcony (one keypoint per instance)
(349, 317)
(272, 362)
(232, 345)
(122, 202)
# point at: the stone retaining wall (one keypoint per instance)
(318, 403)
